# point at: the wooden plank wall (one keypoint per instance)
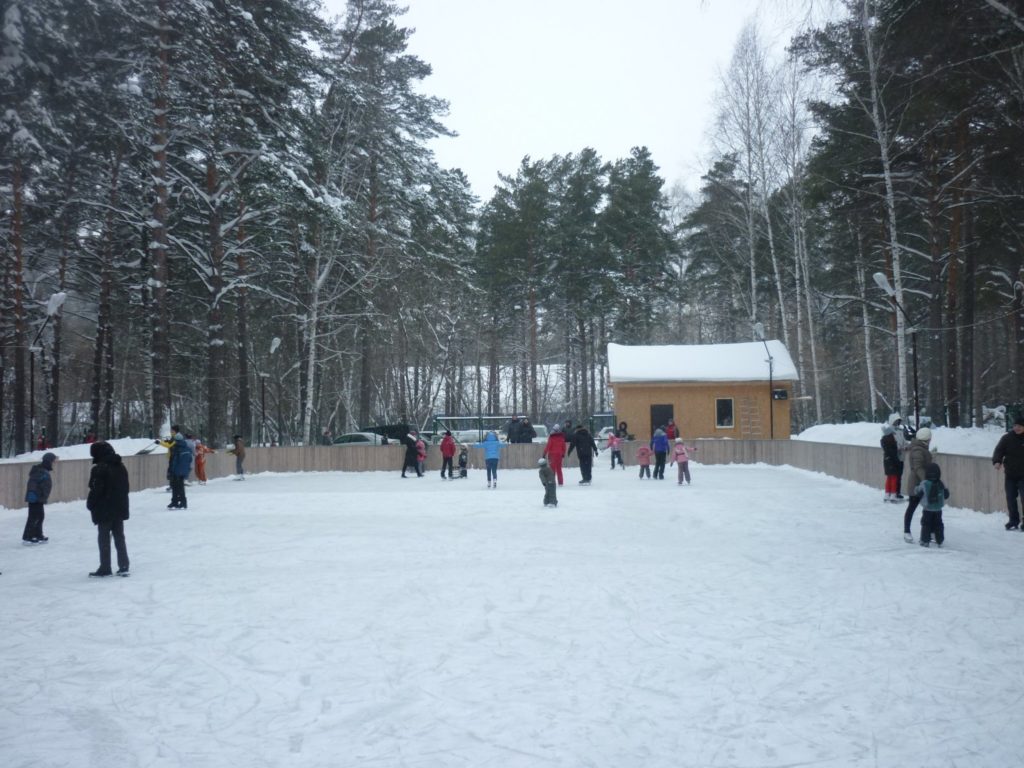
(973, 482)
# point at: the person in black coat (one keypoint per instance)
(1009, 457)
(891, 464)
(411, 454)
(586, 449)
(108, 504)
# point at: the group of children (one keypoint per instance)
(924, 483)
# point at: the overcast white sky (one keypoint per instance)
(546, 77)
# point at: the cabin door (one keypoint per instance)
(660, 414)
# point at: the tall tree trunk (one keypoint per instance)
(160, 347)
(866, 325)
(18, 306)
(242, 336)
(97, 415)
(216, 418)
(868, 28)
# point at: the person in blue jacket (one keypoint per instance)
(659, 444)
(37, 493)
(492, 452)
(180, 466)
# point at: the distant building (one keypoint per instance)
(709, 390)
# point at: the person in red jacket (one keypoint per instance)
(670, 430)
(554, 451)
(447, 453)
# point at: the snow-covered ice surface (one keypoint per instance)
(762, 617)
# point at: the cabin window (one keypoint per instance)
(723, 413)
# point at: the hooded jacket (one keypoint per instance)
(932, 490)
(108, 486)
(555, 448)
(890, 452)
(37, 490)
(181, 457)
(491, 445)
(920, 458)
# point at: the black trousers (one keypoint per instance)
(586, 466)
(34, 523)
(178, 491)
(659, 464)
(1014, 488)
(908, 516)
(446, 463)
(931, 523)
(104, 532)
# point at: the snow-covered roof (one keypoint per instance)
(746, 361)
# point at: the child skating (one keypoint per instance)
(548, 480)
(643, 458)
(933, 495)
(681, 456)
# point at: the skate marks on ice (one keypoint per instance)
(634, 626)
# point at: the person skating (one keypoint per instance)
(107, 502)
(238, 449)
(547, 479)
(411, 459)
(920, 458)
(933, 494)
(447, 453)
(659, 444)
(463, 461)
(615, 446)
(1008, 458)
(202, 451)
(492, 453)
(37, 493)
(181, 465)
(586, 449)
(681, 456)
(554, 451)
(643, 458)
(891, 464)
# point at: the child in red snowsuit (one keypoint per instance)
(554, 451)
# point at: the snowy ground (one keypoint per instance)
(761, 617)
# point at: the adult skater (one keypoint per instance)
(920, 458)
(659, 444)
(1009, 458)
(554, 451)
(181, 465)
(108, 504)
(412, 459)
(447, 453)
(586, 449)
(492, 453)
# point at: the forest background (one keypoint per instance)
(227, 214)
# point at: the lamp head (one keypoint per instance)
(883, 282)
(759, 331)
(274, 344)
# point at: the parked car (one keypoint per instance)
(358, 438)
(542, 433)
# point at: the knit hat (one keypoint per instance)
(1019, 421)
(932, 472)
(48, 459)
(924, 434)
(679, 439)
(542, 462)
(887, 430)
(556, 428)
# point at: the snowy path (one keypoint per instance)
(761, 618)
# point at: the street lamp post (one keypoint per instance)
(759, 333)
(53, 305)
(883, 282)
(263, 407)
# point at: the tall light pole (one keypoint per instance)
(274, 344)
(53, 305)
(263, 407)
(883, 282)
(759, 334)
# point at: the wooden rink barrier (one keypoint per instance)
(973, 482)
